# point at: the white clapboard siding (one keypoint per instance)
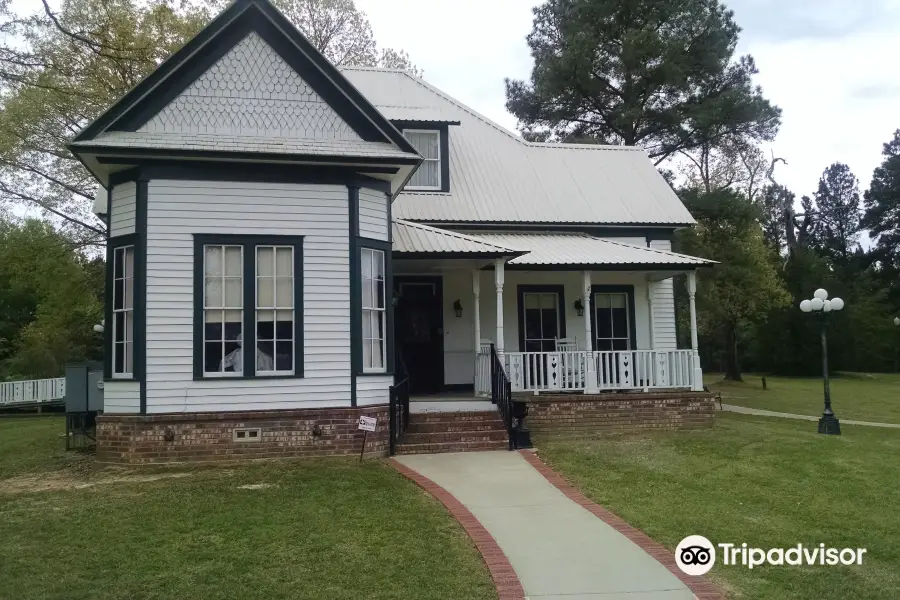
(664, 336)
(121, 397)
(373, 389)
(373, 218)
(123, 209)
(178, 209)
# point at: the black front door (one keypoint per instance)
(419, 332)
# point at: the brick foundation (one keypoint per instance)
(208, 437)
(579, 415)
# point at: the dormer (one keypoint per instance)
(431, 139)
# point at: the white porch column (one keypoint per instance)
(498, 281)
(692, 291)
(590, 375)
(476, 293)
(650, 303)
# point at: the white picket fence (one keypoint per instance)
(35, 391)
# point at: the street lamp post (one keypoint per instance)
(897, 352)
(822, 306)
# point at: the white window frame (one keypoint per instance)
(368, 311)
(223, 309)
(275, 310)
(127, 282)
(440, 182)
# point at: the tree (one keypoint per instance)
(656, 73)
(57, 72)
(882, 211)
(739, 291)
(342, 33)
(772, 205)
(60, 69)
(837, 219)
(50, 299)
(734, 164)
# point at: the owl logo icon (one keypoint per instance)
(695, 555)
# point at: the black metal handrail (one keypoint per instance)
(501, 394)
(398, 413)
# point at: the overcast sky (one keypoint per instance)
(831, 65)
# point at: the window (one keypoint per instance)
(248, 322)
(274, 310)
(428, 144)
(123, 312)
(612, 321)
(223, 310)
(373, 310)
(541, 321)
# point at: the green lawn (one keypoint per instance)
(859, 396)
(304, 529)
(768, 482)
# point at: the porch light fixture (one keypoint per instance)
(821, 306)
(457, 308)
(579, 308)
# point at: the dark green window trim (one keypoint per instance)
(249, 243)
(537, 289)
(385, 248)
(112, 244)
(444, 133)
(614, 289)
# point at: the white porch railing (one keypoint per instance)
(35, 391)
(566, 371)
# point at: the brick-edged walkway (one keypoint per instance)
(702, 588)
(505, 579)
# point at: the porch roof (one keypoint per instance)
(578, 249)
(416, 240)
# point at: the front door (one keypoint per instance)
(419, 332)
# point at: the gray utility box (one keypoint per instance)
(84, 387)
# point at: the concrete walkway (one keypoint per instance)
(770, 413)
(559, 550)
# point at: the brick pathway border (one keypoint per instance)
(700, 586)
(505, 579)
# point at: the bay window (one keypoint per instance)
(247, 322)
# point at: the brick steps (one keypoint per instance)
(431, 448)
(430, 433)
(493, 435)
(467, 426)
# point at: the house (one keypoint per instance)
(285, 237)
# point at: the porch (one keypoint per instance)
(573, 313)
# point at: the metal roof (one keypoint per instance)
(582, 249)
(422, 239)
(497, 177)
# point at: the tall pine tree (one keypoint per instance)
(661, 74)
(838, 216)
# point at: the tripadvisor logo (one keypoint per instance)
(696, 555)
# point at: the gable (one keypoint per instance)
(244, 66)
(251, 90)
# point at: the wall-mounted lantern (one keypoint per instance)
(457, 308)
(579, 308)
